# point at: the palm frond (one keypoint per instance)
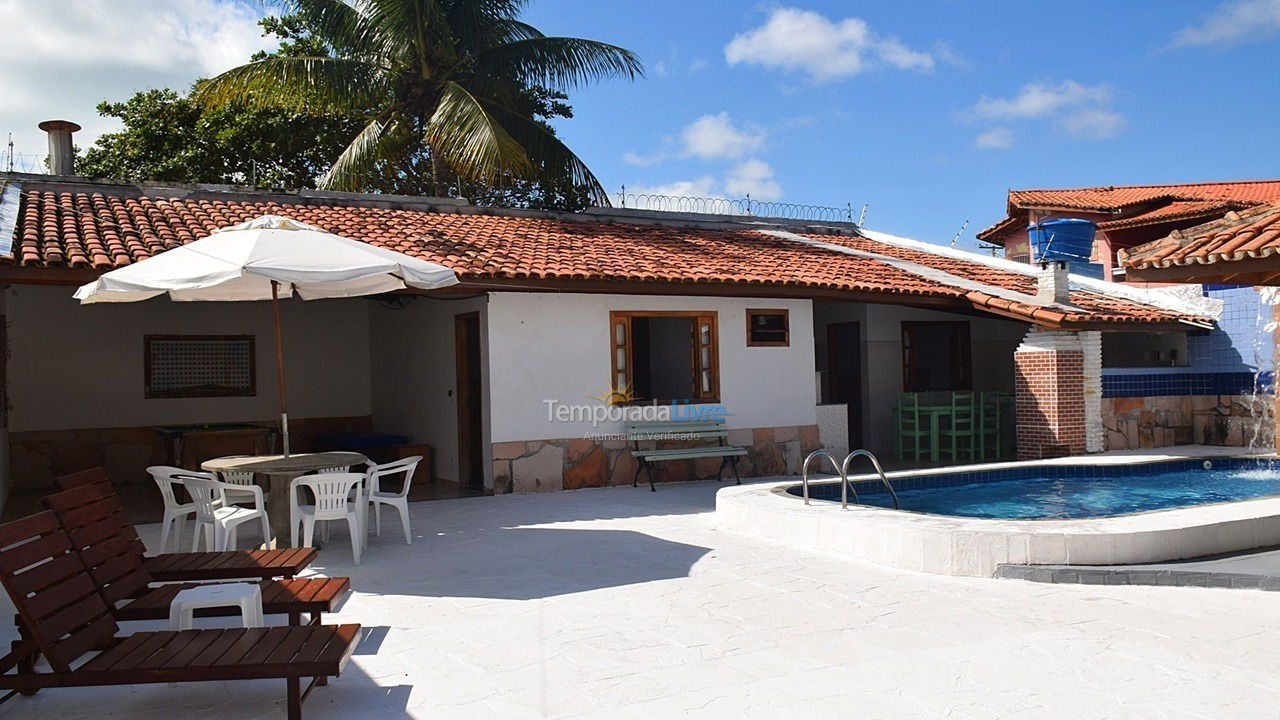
(407, 28)
(471, 139)
(297, 83)
(338, 23)
(352, 167)
(560, 63)
(544, 148)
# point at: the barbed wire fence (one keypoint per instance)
(745, 206)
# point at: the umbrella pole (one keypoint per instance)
(284, 411)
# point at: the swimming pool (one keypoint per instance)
(1047, 492)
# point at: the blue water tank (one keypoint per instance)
(1065, 239)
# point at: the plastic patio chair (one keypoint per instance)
(243, 478)
(175, 512)
(218, 520)
(332, 493)
(398, 499)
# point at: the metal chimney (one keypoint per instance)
(61, 156)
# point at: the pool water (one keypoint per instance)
(1073, 491)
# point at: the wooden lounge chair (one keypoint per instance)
(117, 568)
(70, 625)
(178, 567)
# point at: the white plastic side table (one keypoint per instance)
(246, 596)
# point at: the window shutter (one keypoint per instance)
(705, 382)
(620, 334)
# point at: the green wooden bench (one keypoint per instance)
(681, 431)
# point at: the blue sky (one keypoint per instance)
(927, 111)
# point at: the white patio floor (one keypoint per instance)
(626, 604)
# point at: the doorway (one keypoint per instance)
(466, 328)
(844, 366)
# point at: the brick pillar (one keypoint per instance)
(1058, 409)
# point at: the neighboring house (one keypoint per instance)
(804, 333)
(1204, 386)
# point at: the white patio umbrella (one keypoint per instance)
(268, 257)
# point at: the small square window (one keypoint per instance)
(768, 328)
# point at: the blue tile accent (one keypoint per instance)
(1185, 383)
(1221, 361)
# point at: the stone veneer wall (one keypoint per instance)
(568, 464)
(1161, 421)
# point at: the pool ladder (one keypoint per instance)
(842, 468)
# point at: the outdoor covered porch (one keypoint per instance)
(126, 386)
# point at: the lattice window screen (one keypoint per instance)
(200, 366)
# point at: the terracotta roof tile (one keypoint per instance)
(1153, 203)
(112, 226)
(1254, 233)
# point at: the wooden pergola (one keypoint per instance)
(1242, 248)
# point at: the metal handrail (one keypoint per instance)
(844, 482)
(844, 473)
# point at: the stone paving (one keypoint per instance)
(625, 604)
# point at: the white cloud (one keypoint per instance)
(755, 178)
(1038, 100)
(1093, 124)
(715, 137)
(61, 61)
(825, 49)
(997, 138)
(1231, 23)
(702, 187)
(1079, 111)
(634, 158)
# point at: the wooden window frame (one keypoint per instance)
(786, 321)
(620, 340)
(150, 393)
(966, 374)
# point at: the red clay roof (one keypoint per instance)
(1254, 233)
(1111, 199)
(101, 227)
(1149, 200)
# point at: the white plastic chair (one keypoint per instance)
(216, 518)
(175, 513)
(332, 493)
(244, 478)
(399, 499)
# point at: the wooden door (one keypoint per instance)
(470, 401)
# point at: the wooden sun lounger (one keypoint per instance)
(71, 626)
(117, 569)
(178, 567)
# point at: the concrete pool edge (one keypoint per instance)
(976, 547)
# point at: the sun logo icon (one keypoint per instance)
(617, 396)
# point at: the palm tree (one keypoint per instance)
(452, 77)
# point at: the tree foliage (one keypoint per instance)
(460, 84)
(320, 112)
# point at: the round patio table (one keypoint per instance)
(279, 471)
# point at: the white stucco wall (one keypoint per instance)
(415, 376)
(74, 366)
(556, 347)
(992, 341)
